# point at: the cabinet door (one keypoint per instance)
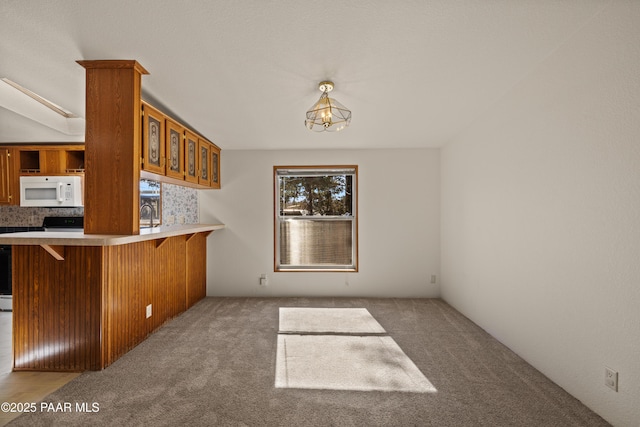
(6, 177)
(191, 158)
(52, 162)
(215, 166)
(204, 150)
(175, 150)
(152, 140)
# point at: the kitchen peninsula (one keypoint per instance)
(81, 300)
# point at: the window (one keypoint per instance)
(315, 225)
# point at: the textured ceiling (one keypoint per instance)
(243, 73)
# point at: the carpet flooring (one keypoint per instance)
(215, 365)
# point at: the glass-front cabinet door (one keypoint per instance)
(153, 139)
(175, 150)
(215, 167)
(204, 148)
(191, 157)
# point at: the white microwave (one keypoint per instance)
(51, 191)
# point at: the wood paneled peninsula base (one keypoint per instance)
(82, 301)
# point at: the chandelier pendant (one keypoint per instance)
(327, 114)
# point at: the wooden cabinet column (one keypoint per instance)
(112, 146)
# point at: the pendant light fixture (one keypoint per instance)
(327, 114)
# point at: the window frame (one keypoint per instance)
(277, 219)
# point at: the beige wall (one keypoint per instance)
(541, 216)
(399, 225)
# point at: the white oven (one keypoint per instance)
(51, 191)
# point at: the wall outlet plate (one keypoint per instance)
(611, 378)
(148, 311)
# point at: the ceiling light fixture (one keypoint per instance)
(327, 114)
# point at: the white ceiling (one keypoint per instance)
(243, 73)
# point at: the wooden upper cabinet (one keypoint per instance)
(204, 153)
(215, 166)
(191, 158)
(49, 159)
(6, 177)
(153, 140)
(175, 140)
(174, 154)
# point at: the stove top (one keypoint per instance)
(63, 223)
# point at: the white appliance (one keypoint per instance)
(6, 303)
(51, 191)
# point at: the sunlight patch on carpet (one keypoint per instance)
(346, 363)
(328, 320)
(342, 349)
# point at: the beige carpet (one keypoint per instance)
(216, 365)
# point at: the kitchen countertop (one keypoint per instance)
(71, 238)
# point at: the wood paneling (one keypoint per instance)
(137, 275)
(196, 250)
(86, 311)
(125, 294)
(169, 287)
(56, 309)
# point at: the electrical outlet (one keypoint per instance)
(433, 279)
(611, 378)
(148, 311)
(263, 279)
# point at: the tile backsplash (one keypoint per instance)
(179, 206)
(15, 216)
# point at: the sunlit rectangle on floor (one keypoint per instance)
(330, 362)
(328, 320)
